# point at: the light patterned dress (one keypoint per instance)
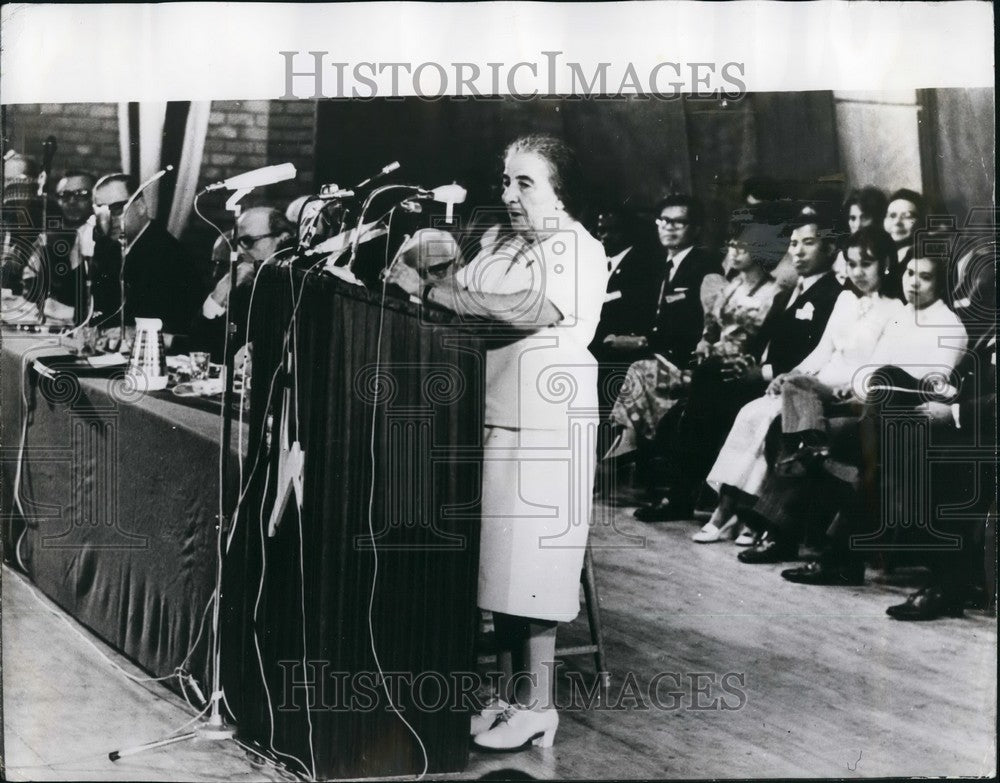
(654, 386)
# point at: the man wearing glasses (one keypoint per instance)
(679, 318)
(53, 277)
(159, 278)
(263, 234)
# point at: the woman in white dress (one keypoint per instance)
(547, 282)
(858, 320)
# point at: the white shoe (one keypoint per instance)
(484, 719)
(710, 533)
(517, 728)
(746, 537)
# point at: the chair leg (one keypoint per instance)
(594, 620)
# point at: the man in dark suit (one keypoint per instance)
(264, 234)
(679, 319)
(160, 279)
(634, 271)
(793, 328)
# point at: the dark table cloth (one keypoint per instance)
(120, 497)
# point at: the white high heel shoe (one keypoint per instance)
(483, 720)
(710, 533)
(517, 728)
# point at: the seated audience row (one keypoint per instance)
(782, 405)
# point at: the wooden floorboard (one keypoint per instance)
(833, 687)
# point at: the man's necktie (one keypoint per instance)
(799, 290)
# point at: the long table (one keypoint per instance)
(119, 494)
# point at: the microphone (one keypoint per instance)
(142, 187)
(447, 194)
(48, 153)
(394, 166)
(268, 175)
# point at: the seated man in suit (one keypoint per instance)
(678, 318)
(159, 278)
(263, 234)
(54, 270)
(674, 327)
(630, 302)
(690, 440)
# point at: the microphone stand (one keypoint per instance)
(214, 727)
(43, 236)
(229, 355)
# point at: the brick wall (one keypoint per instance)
(242, 135)
(86, 134)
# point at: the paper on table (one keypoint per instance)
(106, 360)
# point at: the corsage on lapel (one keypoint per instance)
(805, 313)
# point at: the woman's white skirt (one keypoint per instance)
(537, 497)
(741, 462)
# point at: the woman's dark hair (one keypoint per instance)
(564, 167)
(875, 243)
(761, 188)
(762, 230)
(909, 195)
(870, 200)
(696, 214)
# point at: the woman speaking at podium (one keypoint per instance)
(546, 281)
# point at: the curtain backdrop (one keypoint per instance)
(965, 146)
(125, 137)
(190, 166)
(145, 150)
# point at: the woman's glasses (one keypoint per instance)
(663, 222)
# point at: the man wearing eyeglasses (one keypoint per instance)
(677, 324)
(263, 234)
(679, 318)
(53, 277)
(160, 280)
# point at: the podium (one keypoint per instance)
(389, 416)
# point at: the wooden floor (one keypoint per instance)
(819, 681)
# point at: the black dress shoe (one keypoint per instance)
(927, 604)
(663, 511)
(819, 573)
(802, 462)
(769, 550)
